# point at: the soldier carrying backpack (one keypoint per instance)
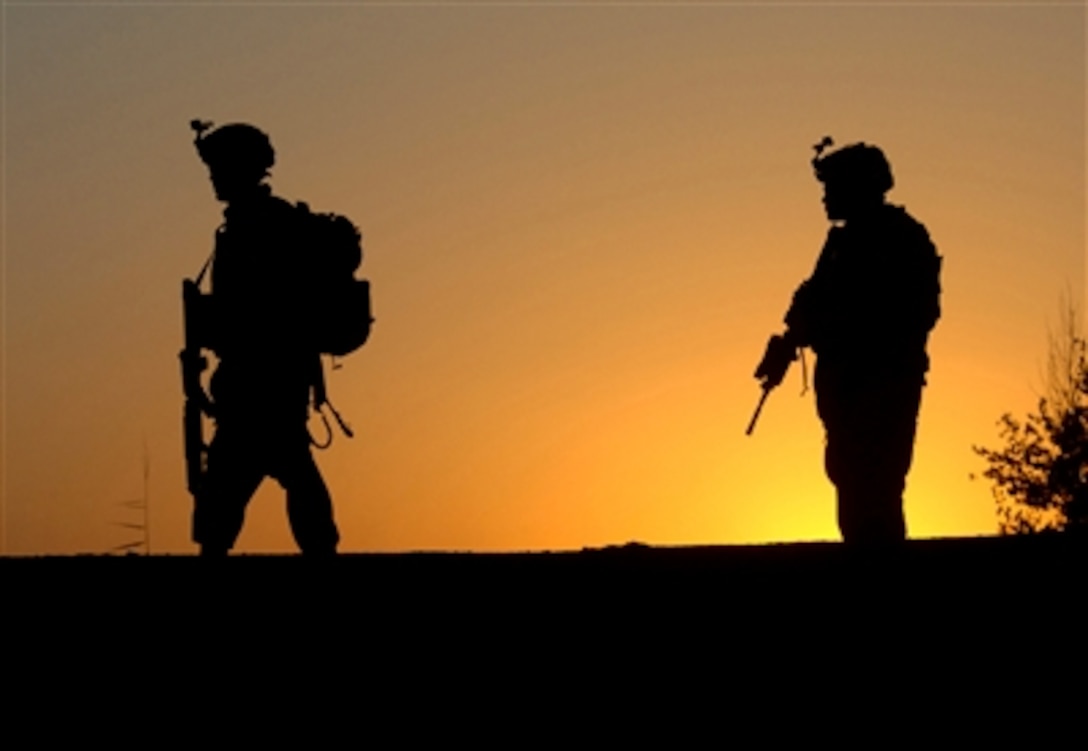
(283, 293)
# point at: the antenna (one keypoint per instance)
(139, 504)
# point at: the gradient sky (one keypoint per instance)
(581, 225)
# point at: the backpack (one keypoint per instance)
(339, 303)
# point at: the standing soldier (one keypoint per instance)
(866, 312)
(257, 324)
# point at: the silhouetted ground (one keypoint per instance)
(964, 575)
(594, 615)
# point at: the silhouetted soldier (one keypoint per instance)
(268, 364)
(866, 312)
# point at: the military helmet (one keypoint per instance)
(236, 145)
(857, 166)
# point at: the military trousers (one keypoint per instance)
(870, 422)
(241, 455)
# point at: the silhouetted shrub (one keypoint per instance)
(1040, 477)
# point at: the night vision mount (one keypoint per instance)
(200, 126)
(819, 148)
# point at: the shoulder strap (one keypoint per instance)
(204, 268)
(208, 263)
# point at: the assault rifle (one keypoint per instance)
(196, 309)
(772, 369)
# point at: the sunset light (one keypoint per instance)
(581, 224)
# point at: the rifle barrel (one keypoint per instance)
(759, 408)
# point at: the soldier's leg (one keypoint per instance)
(843, 450)
(867, 514)
(309, 504)
(232, 477)
(869, 443)
(891, 450)
(870, 439)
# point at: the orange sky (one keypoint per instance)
(581, 225)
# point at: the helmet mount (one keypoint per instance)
(234, 147)
(859, 167)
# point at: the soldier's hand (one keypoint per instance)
(781, 351)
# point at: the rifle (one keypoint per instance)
(772, 369)
(195, 307)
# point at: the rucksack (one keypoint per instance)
(339, 303)
(340, 316)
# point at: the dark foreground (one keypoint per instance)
(608, 612)
(968, 578)
(814, 640)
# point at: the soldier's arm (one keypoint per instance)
(915, 290)
(797, 319)
(227, 301)
(806, 309)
